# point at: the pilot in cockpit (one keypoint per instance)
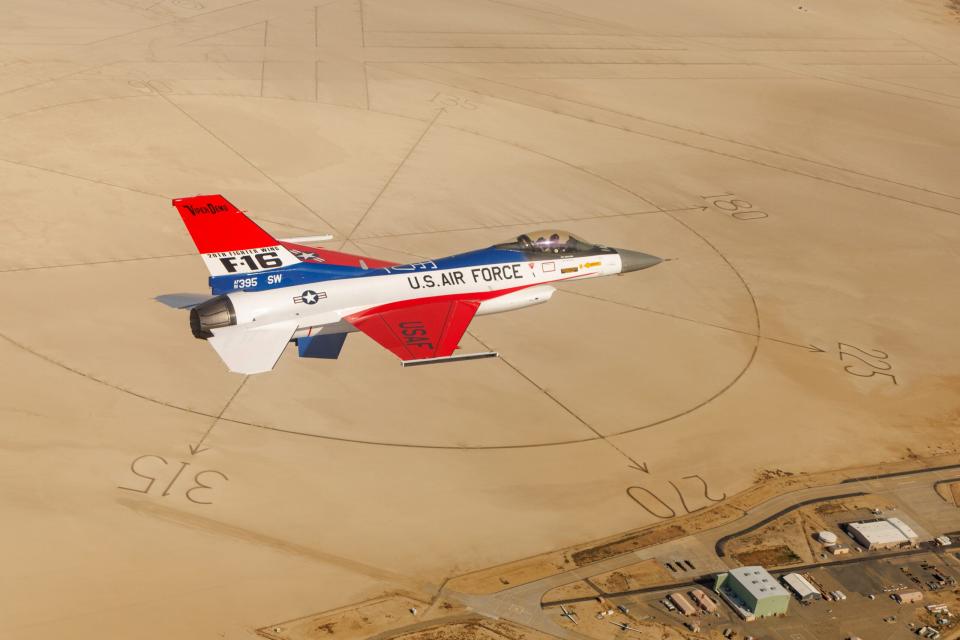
(551, 241)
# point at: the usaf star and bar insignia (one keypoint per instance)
(309, 297)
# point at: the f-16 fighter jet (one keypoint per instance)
(269, 292)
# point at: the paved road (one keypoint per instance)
(522, 604)
(924, 548)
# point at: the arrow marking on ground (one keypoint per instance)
(809, 347)
(198, 447)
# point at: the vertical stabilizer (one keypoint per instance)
(228, 241)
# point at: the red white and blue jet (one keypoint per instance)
(269, 292)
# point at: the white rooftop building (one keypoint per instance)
(802, 587)
(883, 534)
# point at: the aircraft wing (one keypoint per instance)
(415, 330)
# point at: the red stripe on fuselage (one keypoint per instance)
(328, 256)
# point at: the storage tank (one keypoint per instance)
(827, 537)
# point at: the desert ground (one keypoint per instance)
(796, 163)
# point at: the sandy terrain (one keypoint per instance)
(578, 589)
(590, 625)
(950, 492)
(797, 167)
(476, 630)
(362, 620)
(642, 574)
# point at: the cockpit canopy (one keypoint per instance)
(549, 241)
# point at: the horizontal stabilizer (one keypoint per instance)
(246, 349)
(182, 300)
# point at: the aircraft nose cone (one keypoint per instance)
(634, 260)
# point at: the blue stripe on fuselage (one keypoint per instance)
(302, 273)
(308, 272)
(479, 257)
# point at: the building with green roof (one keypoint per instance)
(752, 592)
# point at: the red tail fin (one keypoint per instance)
(229, 241)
